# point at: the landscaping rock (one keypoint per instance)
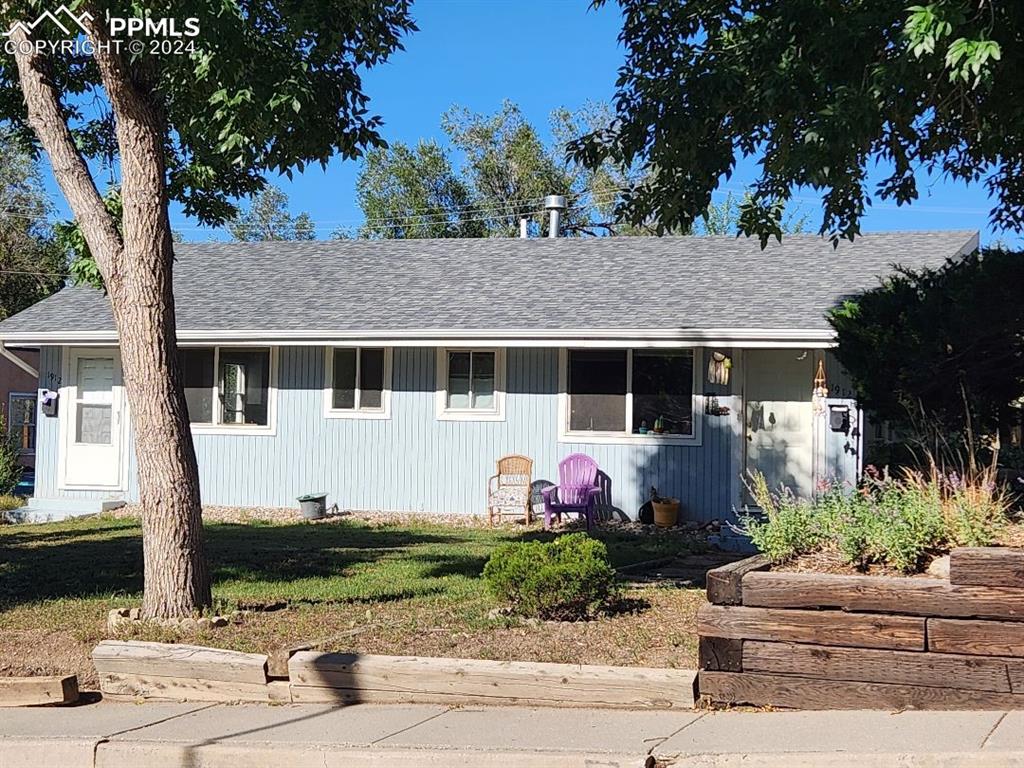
(117, 618)
(135, 614)
(204, 622)
(939, 567)
(219, 621)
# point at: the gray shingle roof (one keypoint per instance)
(644, 283)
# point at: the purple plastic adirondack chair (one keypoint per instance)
(576, 491)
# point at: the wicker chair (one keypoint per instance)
(508, 492)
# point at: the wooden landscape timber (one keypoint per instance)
(349, 678)
(828, 641)
(987, 566)
(862, 630)
(723, 584)
(129, 670)
(38, 691)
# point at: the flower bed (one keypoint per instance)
(826, 641)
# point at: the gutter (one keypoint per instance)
(617, 337)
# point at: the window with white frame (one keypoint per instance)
(358, 382)
(631, 393)
(21, 420)
(227, 386)
(471, 383)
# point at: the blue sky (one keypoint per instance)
(542, 55)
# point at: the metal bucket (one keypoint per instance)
(313, 505)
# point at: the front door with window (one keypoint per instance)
(91, 419)
(779, 417)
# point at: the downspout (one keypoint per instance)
(18, 361)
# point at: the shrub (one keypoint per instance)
(9, 503)
(892, 521)
(908, 523)
(786, 526)
(10, 466)
(566, 579)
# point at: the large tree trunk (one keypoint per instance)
(136, 269)
(176, 577)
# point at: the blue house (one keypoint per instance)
(392, 374)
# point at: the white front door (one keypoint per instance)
(91, 416)
(779, 417)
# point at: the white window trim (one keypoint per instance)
(444, 413)
(330, 412)
(627, 437)
(220, 428)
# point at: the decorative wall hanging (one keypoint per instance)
(718, 368)
(820, 391)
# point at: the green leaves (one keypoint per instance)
(31, 263)
(82, 267)
(969, 60)
(926, 25)
(418, 192)
(268, 218)
(817, 90)
(920, 344)
(271, 87)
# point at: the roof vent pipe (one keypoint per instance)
(554, 205)
(524, 224)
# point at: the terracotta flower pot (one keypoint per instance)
(666, 512)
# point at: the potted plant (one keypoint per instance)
(666, 510)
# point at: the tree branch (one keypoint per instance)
(47, 118)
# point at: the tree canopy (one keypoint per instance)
(411, 192)
(506, 172)
(31, 263)
(819, 90)
(268, 88)
(935, 347)
(268, 218)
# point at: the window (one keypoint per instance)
(197, 373)
(646, 394)
(358, 382)
(227, 387)
(21, 421)
(470, 384)
(663, 391)
(94, 401)
(597, 381)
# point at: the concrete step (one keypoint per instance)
(48, 510)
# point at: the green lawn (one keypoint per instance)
(403, 588)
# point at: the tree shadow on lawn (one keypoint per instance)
(104, 558)
(341, 561)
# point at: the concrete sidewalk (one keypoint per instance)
(303, 736)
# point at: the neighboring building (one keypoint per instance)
(392, 374)
(19, 377)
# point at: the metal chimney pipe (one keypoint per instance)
(554, 205)
(524, 224)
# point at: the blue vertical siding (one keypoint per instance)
(413, 461)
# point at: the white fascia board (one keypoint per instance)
(586, 337)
